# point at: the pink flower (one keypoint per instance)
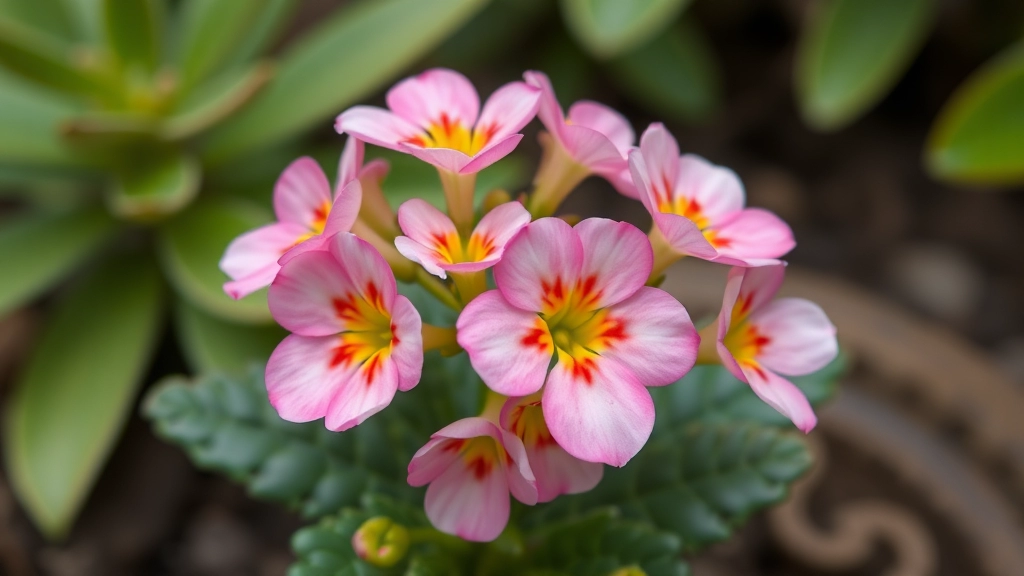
(305, 212)
(758, 339)
(471, 466)
(557, 471)
(355, 341)
(698, 207)
(436, 117)
(432, 240)
(579, 293)
(593, 135)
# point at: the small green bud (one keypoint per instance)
(629, 571)
(381, 542)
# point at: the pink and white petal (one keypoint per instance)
(621, 179)
(468, 428)
(429, 258)
(368, 391)
(350, 164)
(423, 98)
(431, 461)
(782, 395)
(559, 472)
(501, 224)
(617, 256)
(729, 361)
(661, 157)
(377, 126)
(257, 249)
(472, 508)
(801, 337)
(509, 348)
(605, 120)
(301, 192)
(375, 169)
(521, 481)
(717, 190)
(345, 209)
(311, 244)
(641, 179)
(407, 343)
(463, 267)
(365, 268)
(423, 223)
(549, 111)
(491, 154)
(441, 158)
(747, 290)
(302, 379)
(684, 236)
(753, 235)
(661, 342)
(544, 253)
(302, 296)
(606, 419)
(509, 109)
(592, 149)
(248, 284)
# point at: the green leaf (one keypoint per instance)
(86, 17)
(39, 249)
(215, 101)
(675, 75)
(699, 482)
(192, 244)
(214, 345)
(210, 32)
(30, 126)
(610, 27)
(155, 186)
(851, 54)
(264, 31)
(133, 31)
(979, 132)
(46, 61)
(77, 389)
(346, 58)
(49, 16)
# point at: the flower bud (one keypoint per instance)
(381, 542)
(629, 571)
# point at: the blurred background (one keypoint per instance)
(138, 138)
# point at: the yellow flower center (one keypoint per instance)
(370, 336)
(452, 134)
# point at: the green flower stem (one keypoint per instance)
(469, 284)
(664, 254)
(432, 536)
(558, 175)
(458, 194)
(437, 289)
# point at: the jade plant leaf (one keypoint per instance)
(211, 344)
(851, 54)
(979, 132)
(347, 57)
(77, 389)
(192, 243)
(699, 482)
(674, 75)
(38, 249)
(609, 27)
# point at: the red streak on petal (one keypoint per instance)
(346, 309)
(394, 335)
(344, 354)
(537, 338)
(372, 368)
(480, 466)
(454, 445)
(583, 369)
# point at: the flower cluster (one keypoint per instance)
(575, 329)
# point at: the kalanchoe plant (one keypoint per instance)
(574, 361)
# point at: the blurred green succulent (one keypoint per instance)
(131, 133)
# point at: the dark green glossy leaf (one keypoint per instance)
(192, 244)
(133, 31)
(346, 58)
(852, 53)
(610, 27)
(43, 60)
(215, 101)
(77, 389)
(211, 344)
(675, 75)
(210, 32)
(979, 135)
(39, 249)
(154, 186)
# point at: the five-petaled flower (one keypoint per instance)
(593, 137)
(471, 466)
(578, 294)
(306, 216)
(557, 472)
(432, 240)
(697, 207)
(759, 338)
(355, 340)
(436, 117)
